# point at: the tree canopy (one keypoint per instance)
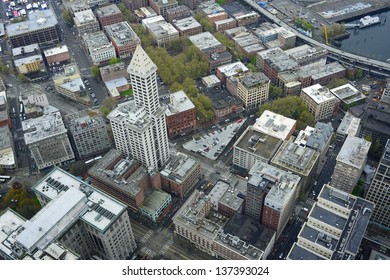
(107, 106)
(291, 107)
(18, 199)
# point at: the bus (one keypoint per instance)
(5, 177)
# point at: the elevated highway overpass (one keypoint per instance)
(365, 63)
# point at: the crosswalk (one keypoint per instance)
(146, 236)
(166, 246)
(148, 252)
(300, 219)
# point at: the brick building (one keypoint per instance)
(123, 38)
(108, 15)
(180, 114)
(180, 175)
(177, 13)
(187, 26)
(57, 55)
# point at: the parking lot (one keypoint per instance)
(214, 143)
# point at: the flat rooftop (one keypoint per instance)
(7, 156)
(84, 17)
(131, 114)
(210, 7)
(55, 51)
(154, 201)
(116, 175)
(102, 209)
(298, 252)
(162, 28)
(204, 41)
(74, 85)
(107, 10)
(258, 143)
(36, 21)
(179, 102)
(275, 125)
(28, 59)
(319, 94)
(179, 167)
(354, 151)
(43, 127)
(348, 93)
(278, 59)
(97, 41)
(82, 121)
(249, 231)
(234, 196)
(52, 220)
(253, 79)
(186, 23)
(305, 51)
(349, 125)
(33, 48)
(194, 212)
(296, 158)
(321, 71)
(121, 33)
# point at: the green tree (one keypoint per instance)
(301, 23)
(78, 168)
(337, 83)
(275, 92)
(28, 207)
(115, 60)
(67, 17)
(359, 73)
(2, 172)
(107, 106)
(291, 107)
(95, 71)
(368, 138)
(204, 21)
(21, 77)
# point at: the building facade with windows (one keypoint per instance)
(378, 192)
(139, 126)
(350, 163)
(48, 141)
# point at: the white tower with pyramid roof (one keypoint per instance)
(139, 126)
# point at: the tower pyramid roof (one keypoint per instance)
(141, 64)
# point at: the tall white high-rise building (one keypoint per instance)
(139, 126)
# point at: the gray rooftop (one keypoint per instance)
(348, 94)
(154, 201)
(345, 215)
(233, 69)
(258, 143)
(204, 41)
(296, 158)
(249, 231)
(234, 196)
(36, 21)
(179, 102)
(74, 85)
(321, 71)
(304, 52)
(84, 17)
(104, 209)
(210, 7)
(278, 59)
(48, 125)
(33, 48)
(121, 33)
(354, 151)
(179, 167)
(253, 79)
(298, 252)
(82, 121)
(28, 59)
(131, 115)
(349, 125)
(320, 136)
(117, 175)
(194, 214)
(318, 93)
(97, 41)
(186, 23)
(107, 10)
